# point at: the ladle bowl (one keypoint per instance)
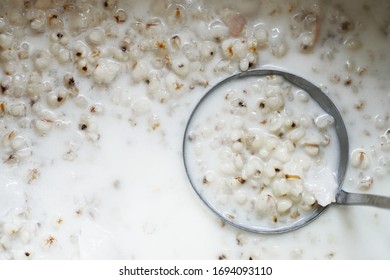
(342, 197)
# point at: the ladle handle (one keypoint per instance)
(346, 198)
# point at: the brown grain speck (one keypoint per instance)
(2, 107)
(295, 215)
(240, 179)
(118, 19)
(241, 103)
(253, 48)
(230, 50)
(161, 45)
(272, 12)
(348, 82)
(11, 135)
(238, 240)
(155, 126)
(178, 85)
(334, 78)
(346, 26)
(27, 4)
(359, 105)
(52, 19)
(330, 255)
(262, 105)
(33, 174)
(3, 89)
(148, 25)
(27, 254)
(50, 240)
(71, 82)
(305, 47)
(361, 156)
(361, 70)
(191, 137)
(291, 7)
(231, 217)
(292, 176)
(11, 158)
(177, 13)
(47, 120)
(68, 7)
(314, 145)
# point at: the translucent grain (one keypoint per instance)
(359, 158)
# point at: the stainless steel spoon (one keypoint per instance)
(342, 197)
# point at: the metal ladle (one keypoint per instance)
(342, 197)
